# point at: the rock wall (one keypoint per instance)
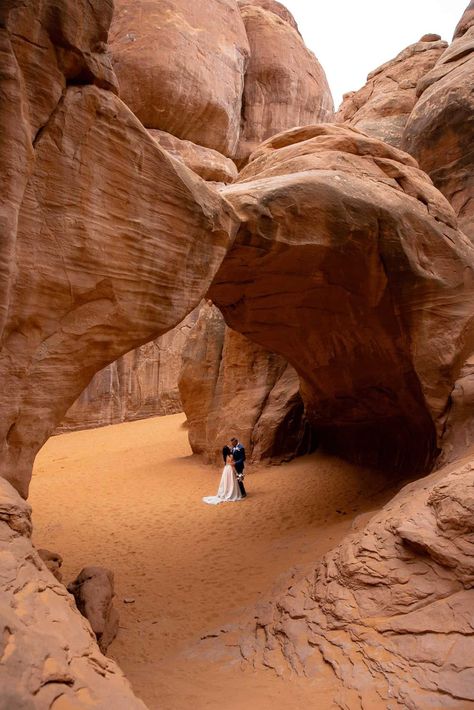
(283, 88)
(381, 108)
(143, 383)
(49, 656)
(108, 241)
(231, 386)
(378, 357)
(440, 130)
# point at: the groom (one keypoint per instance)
(238, 453)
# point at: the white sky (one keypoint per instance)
(353, 37)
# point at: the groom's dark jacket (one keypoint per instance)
(238, 452)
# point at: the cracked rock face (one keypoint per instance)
(49, 658)
(232, 386)
(377, 357)
(108, 241)
(440, 130)
(385, 620)
(381, 108)
(386, 617)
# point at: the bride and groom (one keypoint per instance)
(231, 487)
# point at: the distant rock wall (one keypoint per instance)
(232, 386)
(142, 383)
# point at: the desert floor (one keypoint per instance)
(128, 497)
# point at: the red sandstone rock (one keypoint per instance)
(115, 243)
(93, 590)
(377, 357)
(48, 649)
(440, 130)
(143, 383)
(382, 107)
(53, 562)
(197, 94)
(272, 6)
(385, 619)
(207, 163)
(231, 386)
(285, 86)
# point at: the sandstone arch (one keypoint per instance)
(350, 264)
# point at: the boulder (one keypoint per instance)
(385, 619)
(197, 96)
(49, 658)
(53, 562)
(285, 86)
(229, 385)
(440, 130)
(110, 242)
(93, 590)
(207, 163)
(381, 108)
(377, 357)
(143, 383)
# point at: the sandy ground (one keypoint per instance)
(129, 497)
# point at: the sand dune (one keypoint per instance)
(129, 497)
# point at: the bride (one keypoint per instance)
(229, 490)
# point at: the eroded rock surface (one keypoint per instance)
(231, 386)
(53, 562)
(388, 613)
(382, 107)
(49, 657)
(285, 86)
(440, 131)
(112, 241)
(377, 357)
(143, 383)
(207, 163)
(197, 95)
(93, 590)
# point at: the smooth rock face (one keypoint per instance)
(382, 107)
(115, 243)
(198, 95)
(285, 86)
(389, 610)
(377, 357)
(231, 386)
(49, 657)
(207, 163)
(143, 383)
(440, 130)
(93, 590)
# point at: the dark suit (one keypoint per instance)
(238, 453)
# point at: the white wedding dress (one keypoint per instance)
(229, 490)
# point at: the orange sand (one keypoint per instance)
(129, 497)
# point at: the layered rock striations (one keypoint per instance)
(385, 618)
(109, 241)
(50, 658)
(143, 383)
(440, 134)
(231, 386)
(381, 108)
(285, 86)
(377, 357)
(440, 130)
